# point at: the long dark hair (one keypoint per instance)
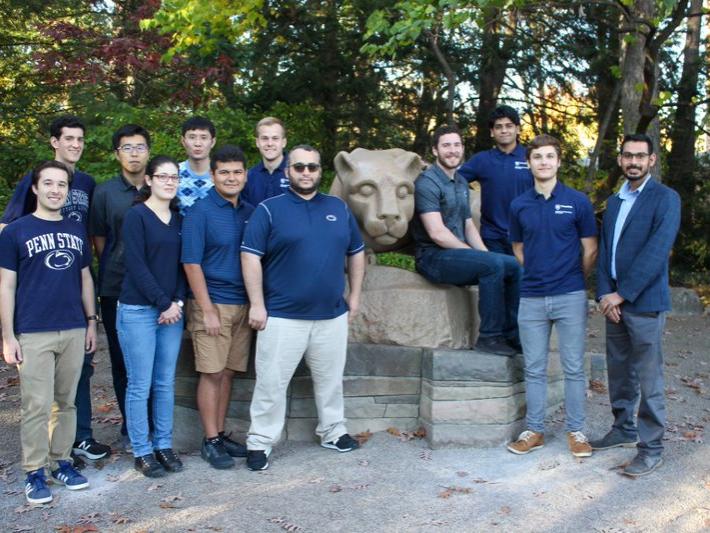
(145, 191)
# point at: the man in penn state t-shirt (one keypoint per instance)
(46, 300)
(295, 250)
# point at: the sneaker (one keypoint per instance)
(258, 459)
(234, 449)
(170, 461)
(578, 444)
(36, 489)
(642, 464)
(527, 442)
(344, 443)
(91, 449)
(494, 345)
(214, 452)
(613, 439)
(149, 466)
(67, 475)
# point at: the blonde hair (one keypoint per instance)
(269, 121)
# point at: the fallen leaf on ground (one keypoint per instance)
(284, 524)
(425, 455)
(363, 437)
(420, 433)
(394, 431)
(335, 488)
(597, 386)
(363, 462)
(505, 510)
(112, 478)
(104, 408)
(80, 528)
(449, 491)
(154, 487)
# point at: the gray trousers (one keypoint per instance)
(634, 359)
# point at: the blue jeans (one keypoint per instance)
(568, 312)
(498, 279)
(150, 352)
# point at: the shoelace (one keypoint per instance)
(578, 436)
(527, 435)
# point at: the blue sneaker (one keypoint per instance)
(67, 475)
(36, 489)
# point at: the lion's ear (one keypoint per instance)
(343, 170)
(411, 163)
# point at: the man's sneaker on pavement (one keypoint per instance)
(495, 345)
(643, 464)
(149, 466)
(36, 489)
(68, 476)
(527, 442)
(169, 459)
(344, 443)
(613, 439)
(214, 452)
(258, 459)
(234, 448)
(578, 444)
(91, 449)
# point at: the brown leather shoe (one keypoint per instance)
(578, 444)
(527, 442)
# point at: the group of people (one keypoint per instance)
(537, 243)
(221, 250)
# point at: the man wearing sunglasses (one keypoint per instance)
(638, 231)
(131, 146)
(294, 253)
(268, 177)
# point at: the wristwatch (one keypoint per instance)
(180, 303)
(93, 317)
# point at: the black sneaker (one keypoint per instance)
(257, 459)
(170, 461)
(234, 449)
(215, 454)
(613, 439)
(344, 443)
(495, 345)
(91, 449)
(149, 466)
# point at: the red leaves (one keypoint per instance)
(405, 436)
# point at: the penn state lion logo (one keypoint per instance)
(378, 186)
(59, 259)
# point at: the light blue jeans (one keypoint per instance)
(150, 352)
(568, 312)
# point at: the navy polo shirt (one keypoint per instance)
(24, 201)
(550, 231)
(502, 177)
(211, 234)
(261, 184)
(303, 245)
(434, 191)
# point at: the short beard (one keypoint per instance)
(305, 190)
(442, 164)
(636, 178)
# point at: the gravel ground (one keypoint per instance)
(396, 483)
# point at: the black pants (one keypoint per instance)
(118, 367)
(83, 400)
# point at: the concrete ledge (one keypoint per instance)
(471, 435)
(304, 429)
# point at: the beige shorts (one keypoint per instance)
(230, 349)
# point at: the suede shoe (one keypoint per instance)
(170, 461)
(36, 489)
(258, 459)
(344, 443)
(527, 442)
(613, 439)
(234, 448)
(149, 466)
(643, 464)
(494, 345)
(578, 444)
(215, 454)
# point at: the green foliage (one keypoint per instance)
(394, 259)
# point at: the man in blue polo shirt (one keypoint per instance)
(67, 140)
(449, 248)
(503, 173)
(553, 232)
(294, 254)
(217, 311)
(198, 138)
(268, 177)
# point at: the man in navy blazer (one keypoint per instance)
(638, 231)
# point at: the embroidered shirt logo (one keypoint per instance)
(331, 218)
(521, 165)
(562, 209)
(59, 259)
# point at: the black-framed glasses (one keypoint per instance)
(300, 167)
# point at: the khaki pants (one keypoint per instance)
(279, 349)
(49, 375)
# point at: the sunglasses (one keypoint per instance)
(300, 167)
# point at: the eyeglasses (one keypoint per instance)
(165, 178)
(630, 156)
(300, 167)
(128, 148)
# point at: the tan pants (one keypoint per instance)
(49, 375)
(279, 349)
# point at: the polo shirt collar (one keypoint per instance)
(298, 199)
(440, 174)
(626, 193)
(260, 167)
(127, 185)
(557, 189)
(518, 151)
(220, 201)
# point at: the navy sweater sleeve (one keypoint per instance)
(22, 202)
(136, 260)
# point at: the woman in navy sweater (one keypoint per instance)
(150, 317)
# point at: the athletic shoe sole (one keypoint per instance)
(646, 472)
(71, 487)
(89, 455)
(334, 447)
(619, 445)
(518, 452)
